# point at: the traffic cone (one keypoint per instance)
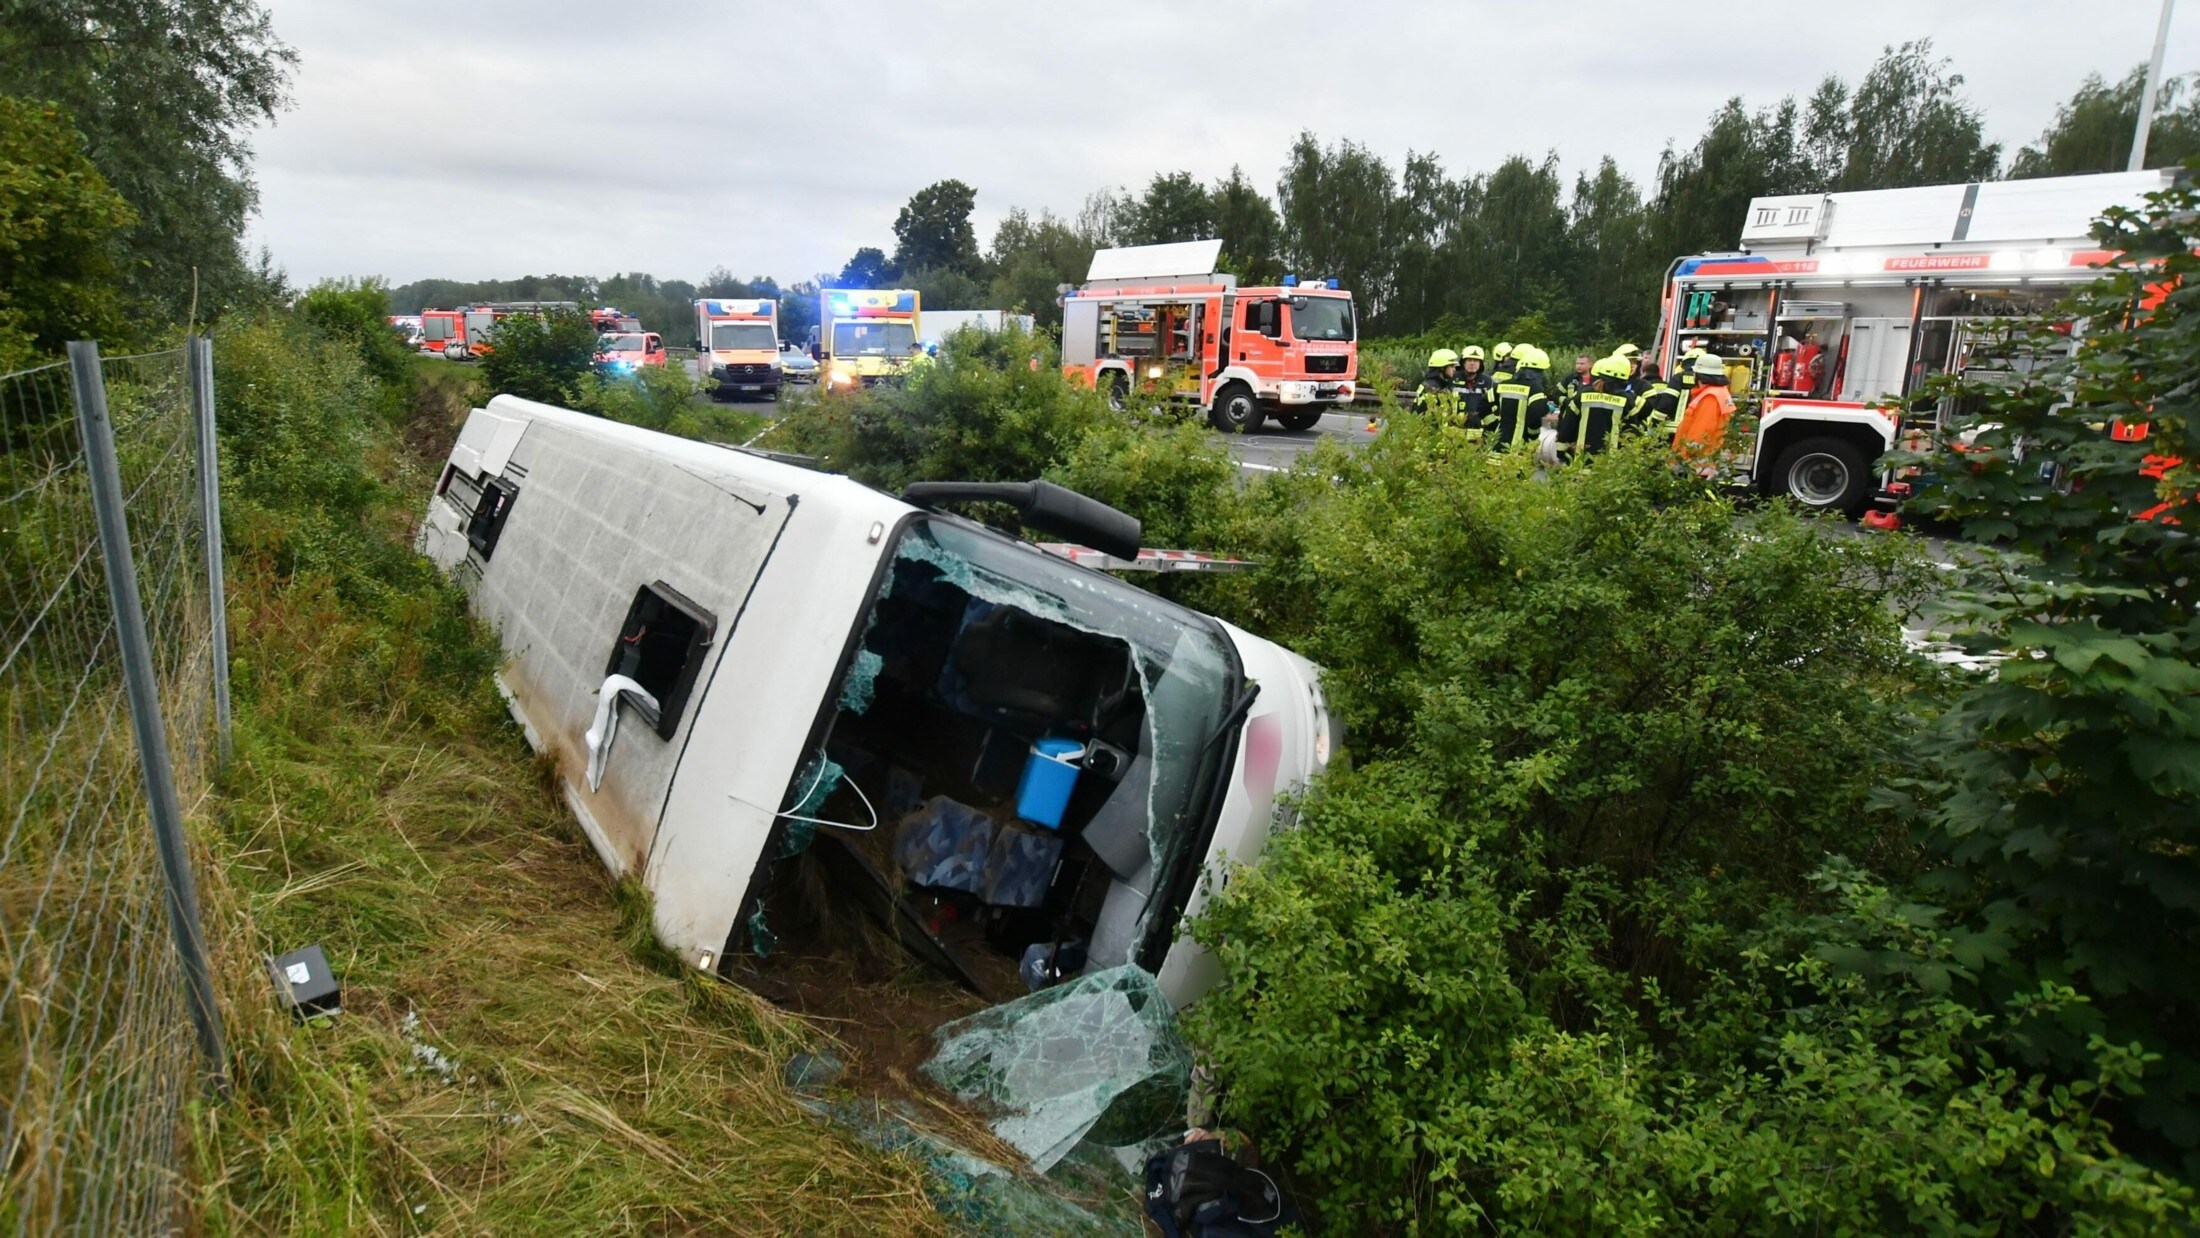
(1886, 521)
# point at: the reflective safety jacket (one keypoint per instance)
(1595, 422)
(1521, 404)
(1437, 398)
(1477, 397)
(1655, 409)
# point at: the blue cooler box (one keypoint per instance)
(1050, 774)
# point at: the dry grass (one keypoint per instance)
(504, 1063)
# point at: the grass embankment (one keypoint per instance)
(513, 1056)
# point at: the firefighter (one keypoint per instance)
(1633, 357)
(1523, 398)
(1435, 398)
(1702, 432)
(1655, 406)
(1578, 382)
(1593, 423)
(1684, 369)
(1477, 395)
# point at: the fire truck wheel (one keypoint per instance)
(1825, 474)
(1117, 389)
(1305, 419)
(1235, 410)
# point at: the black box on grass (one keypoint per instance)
(305, 985)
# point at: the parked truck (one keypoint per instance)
(737, 346)
(866, 335)
(1162, 319)
(1838, 307)
(463, 334)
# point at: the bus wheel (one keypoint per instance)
(1305, 419)
(1825, 474)
(1235, 410)
(1117, 390)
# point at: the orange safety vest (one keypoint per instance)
(1702, 431)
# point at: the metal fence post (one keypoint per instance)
(199, 371)
(105, 476)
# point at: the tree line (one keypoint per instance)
(1517, 250)
(134, 182)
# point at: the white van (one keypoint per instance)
(766, 687)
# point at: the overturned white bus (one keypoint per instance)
(745, 668)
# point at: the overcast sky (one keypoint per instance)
(498, 138)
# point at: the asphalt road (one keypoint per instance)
(1272, 448)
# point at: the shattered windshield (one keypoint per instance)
(1185, 666)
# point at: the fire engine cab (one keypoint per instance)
(1839, 306)
(1162, 319)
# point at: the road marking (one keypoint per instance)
(1265, 468)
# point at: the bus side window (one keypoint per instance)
(661, 647)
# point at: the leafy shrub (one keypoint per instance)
(2061, 796)
(652, 396)
(542, 357)
(1571, 946)
(357, 311)
(982, 411)
(663, 397)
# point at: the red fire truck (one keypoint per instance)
(1162, 319)
(1839, 306)
(463, 334)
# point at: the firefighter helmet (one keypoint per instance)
(1442, 357)
(1472, 352)
(1530, 357)
(1502, 351)
(1625, 350)
(1614, 366)
(1710, 366)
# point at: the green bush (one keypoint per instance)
(981, 411)
(652, 396)
(542, 357)
(1571, 946)
(2061, 796)
(664, 397)
(357, 311)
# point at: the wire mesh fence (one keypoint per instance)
(96, 1028)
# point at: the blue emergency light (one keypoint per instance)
(1290, 281)
(1330, 284)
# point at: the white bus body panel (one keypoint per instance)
(1286, 741)
(604, 509)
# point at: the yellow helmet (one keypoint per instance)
(1614, 366)
(1532, 358)
(1442, 357)
(1472, 352)
(1502, 351)
(1625, 350)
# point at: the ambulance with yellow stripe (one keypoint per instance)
(865, 335)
